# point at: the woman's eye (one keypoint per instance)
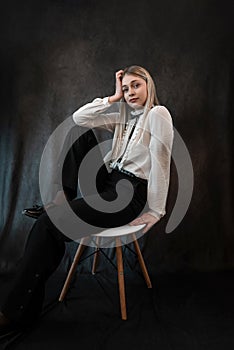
(136, 86)
(125, 90)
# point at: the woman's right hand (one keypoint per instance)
(118, 87)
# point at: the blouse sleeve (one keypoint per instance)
(162, 134)
(92, 115)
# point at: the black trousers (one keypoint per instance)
(45, 245)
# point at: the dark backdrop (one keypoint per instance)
(58, 55)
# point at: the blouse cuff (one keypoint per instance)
(155, 214)
(105, 101)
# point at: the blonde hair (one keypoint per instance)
(152, 99)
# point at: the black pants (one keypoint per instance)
(45, 246)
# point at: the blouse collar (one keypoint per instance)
(136, 112)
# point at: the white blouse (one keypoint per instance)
(148, 153)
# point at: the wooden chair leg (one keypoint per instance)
(96, 255)
(119, 259)
(76, 259)
(142, 262)
(95, 261)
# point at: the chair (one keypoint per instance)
(117, 236)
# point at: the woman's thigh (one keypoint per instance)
(118, 204)
(115, 206)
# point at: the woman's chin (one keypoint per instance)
(135, 105)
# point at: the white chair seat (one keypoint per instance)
(116, 236)
(119, 231)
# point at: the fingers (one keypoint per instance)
(147, 227)
(119, 74)
(118, 89)
(147, 219)
(138, 221)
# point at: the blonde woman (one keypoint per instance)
(147, 154)
(141, 153)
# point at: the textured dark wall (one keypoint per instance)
(58, 55)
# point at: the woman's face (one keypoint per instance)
(134, 90)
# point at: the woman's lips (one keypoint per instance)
(133, 100)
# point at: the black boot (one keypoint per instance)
(34, 212)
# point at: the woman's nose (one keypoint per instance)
(130, 92)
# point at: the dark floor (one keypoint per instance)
(183, 311)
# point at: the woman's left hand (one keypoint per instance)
(145, 218)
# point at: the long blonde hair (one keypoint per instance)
(152, 100)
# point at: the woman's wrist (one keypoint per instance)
(114, 98)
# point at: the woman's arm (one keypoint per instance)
(162, 134)
(161, 129)
(92, 114)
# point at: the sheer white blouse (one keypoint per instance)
(148, 153)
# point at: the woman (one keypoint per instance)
(141, 152)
